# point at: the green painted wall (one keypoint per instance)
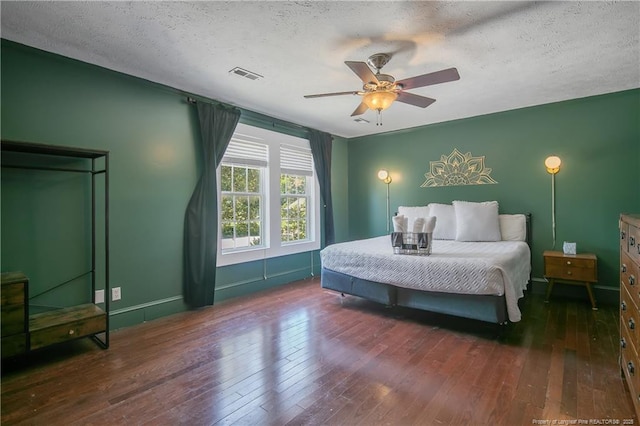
(152, 135)
(340, 187)
(597, 138)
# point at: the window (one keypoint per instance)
(296, 171)
(268, 197)
(242, 176)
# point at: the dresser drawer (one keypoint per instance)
(14, 345)
(12, 320)
(571, 268)
(629, 322)
(634, 243)
(12, 294)
(626, 345)
(629, 277)
(624, 237)
(629, 364)
(12, 309)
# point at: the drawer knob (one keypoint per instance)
(632, 280)
(623, 306)
(632, 324)
(623, 268)
(71, 332)
(568, 262)
(631, 368)
(632, 241)
(623, 343)
(568, 272)
(622, 235)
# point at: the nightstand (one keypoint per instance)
(578, 269)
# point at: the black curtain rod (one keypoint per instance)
(261, 117)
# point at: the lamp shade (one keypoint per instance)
(379, 100)
(552, 164)
(384, 176)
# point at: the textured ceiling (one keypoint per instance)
(509, 54)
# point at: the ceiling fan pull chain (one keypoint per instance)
(379, 122)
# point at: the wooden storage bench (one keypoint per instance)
(60, 325)
(22, 332)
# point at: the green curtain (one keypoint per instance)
(217, 124)
(320, 143)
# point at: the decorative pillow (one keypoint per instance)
(477, 221)
(412, 213)
(513, 227)
(445, 221)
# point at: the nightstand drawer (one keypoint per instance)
(581, 267)
(578, 270)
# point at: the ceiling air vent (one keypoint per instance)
(241, 72)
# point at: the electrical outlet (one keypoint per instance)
(115, 294)
(99, 296)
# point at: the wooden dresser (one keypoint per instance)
(629, 303)
(14, 320)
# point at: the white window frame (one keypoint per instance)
(272, 246)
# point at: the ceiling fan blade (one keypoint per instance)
(331, 94)
(362, 108)
(415, 100)
(450, 74)
(363, 71)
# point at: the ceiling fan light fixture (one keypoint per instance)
(379, 101)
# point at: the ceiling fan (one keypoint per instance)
(381, 90)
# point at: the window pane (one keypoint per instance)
(240, 179)
(254, 227)
(302, 203)
(254, 180)
(254, 208)
(291, 185)
(242, 208)
(227, 230)
(300, 185)
(242, 230)
(303, 229)
(227, 208)
(225, 178)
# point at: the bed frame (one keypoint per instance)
(479, 307)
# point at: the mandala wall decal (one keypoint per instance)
(458, 169)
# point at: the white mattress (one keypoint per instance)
(491, 268)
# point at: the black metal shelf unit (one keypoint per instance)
(49, 151)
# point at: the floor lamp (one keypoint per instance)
(385, 177)
(552, 164)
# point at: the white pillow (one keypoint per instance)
(445, 221)
(477, 221)
(412, 213)
(513, 227)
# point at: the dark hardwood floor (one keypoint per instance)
(300, 355)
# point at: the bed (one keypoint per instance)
(480, 280)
